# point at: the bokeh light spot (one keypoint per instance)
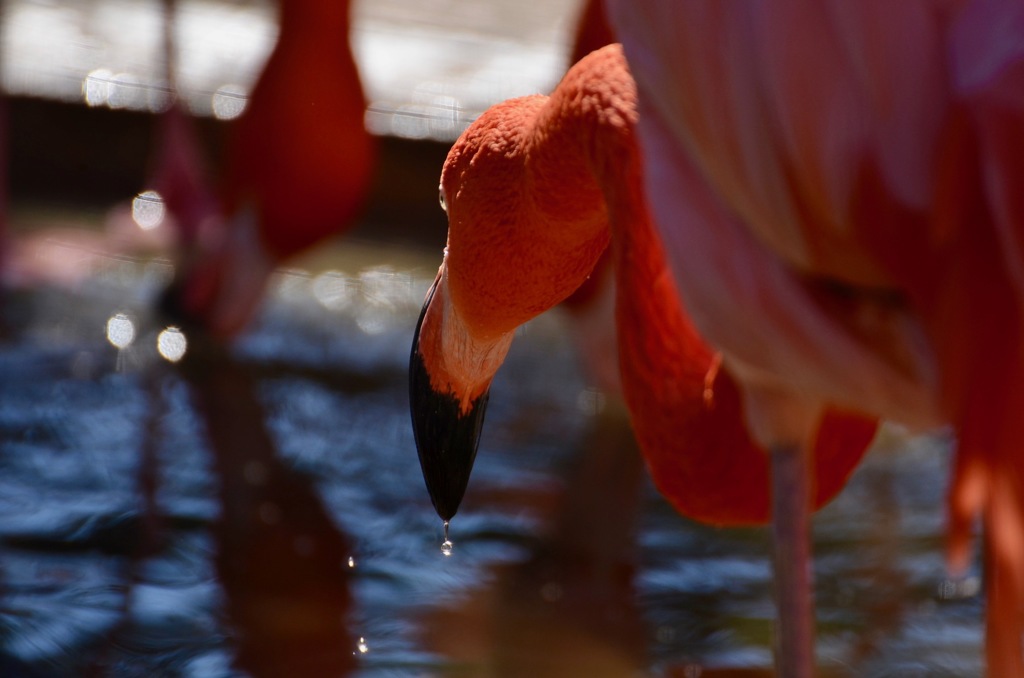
(229, 102)
(120, 330)
(126, 91)
(171, 344)
(96, 87)
(148, 210)
(334, 290)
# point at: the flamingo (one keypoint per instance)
(299, 166)
(839, 190)
(590, 310)
(536, 189)
(286, 586)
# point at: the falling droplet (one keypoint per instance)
(351, 561)
(362, 646)
(446, 545)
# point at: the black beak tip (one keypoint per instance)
(446, 438)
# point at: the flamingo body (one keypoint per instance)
(839, 190)
(688, 413)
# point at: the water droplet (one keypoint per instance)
(351, 561)
(446, 545)
(362, 646)
(440, 199)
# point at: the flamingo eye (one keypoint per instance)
(440, 199)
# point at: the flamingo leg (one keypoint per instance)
(786, 425)
(791, 497)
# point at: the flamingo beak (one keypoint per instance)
(446, 437)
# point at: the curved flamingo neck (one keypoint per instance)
(525, 189)
(527, 217)
(535, 190)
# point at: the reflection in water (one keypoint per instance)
(569, 608)
(281, 560)
(263, 507)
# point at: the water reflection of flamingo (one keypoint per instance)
(569, 608)
(535, 191)
(299, 165)
(281, 560)
(839, 190)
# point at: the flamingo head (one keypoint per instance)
(519, 242)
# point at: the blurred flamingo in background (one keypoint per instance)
(592, 31)
(839, 189)
(299, 165)
(535, 190)
(282, 561)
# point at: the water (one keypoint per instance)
(260, 511)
